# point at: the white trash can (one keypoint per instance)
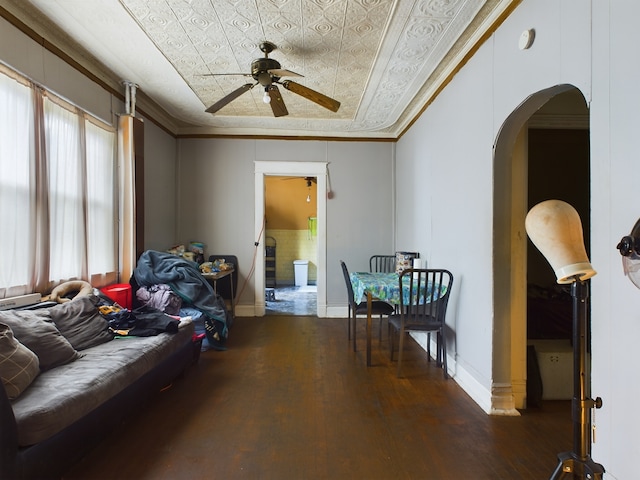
(301, 271)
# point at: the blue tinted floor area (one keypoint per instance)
(292, 300)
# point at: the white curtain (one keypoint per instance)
(17, 187)
(58, 192)
(102, 228)
(66, 193)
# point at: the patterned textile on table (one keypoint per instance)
(386, 287)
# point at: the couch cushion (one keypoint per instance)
(59, 397)
(18, 365)
(80, 322)
(35, 330)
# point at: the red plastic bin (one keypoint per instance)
(119, 293)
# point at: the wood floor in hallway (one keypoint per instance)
(290, 399)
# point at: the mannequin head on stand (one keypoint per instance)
(555, 229)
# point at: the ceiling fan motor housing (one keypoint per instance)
(263, 65)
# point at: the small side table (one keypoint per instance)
(213, 278)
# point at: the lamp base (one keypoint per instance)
(573, 467)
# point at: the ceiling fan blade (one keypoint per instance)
(282, 72)
(223, 74)
(229, 98)
(317, 97)
(277, 103)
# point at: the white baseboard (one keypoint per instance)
(478, 392)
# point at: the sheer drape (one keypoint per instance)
(57, 192)
(102, 246)
(17, 182)
(66, 193)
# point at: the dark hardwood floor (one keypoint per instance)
(289, 399)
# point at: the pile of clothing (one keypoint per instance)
(174, 285)
(141, 323)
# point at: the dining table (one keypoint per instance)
(384, 286)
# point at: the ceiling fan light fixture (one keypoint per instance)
(266, 98)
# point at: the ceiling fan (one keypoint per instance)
(268, 72)
(309, 180)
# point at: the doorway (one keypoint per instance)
(291, 245)
(510, 262)
(317, 170)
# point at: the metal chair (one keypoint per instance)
(382, 263)
(423, 308)
(377, 307)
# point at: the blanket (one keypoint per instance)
(185, 279)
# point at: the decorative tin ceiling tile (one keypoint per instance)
(379, 58)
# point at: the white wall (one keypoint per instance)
(160, 189)
(32, 60)
(216, 200)
(615, 209)
(445, 176)
(450, 149)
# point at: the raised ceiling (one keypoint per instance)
(383, 60)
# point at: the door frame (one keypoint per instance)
(290, 169)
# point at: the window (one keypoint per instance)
(17, 201)
(101, 198)
(57, 192)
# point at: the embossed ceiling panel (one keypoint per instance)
(381, 59)
(224, 37)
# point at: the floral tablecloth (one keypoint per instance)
(385, 287)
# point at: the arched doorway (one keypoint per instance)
(510, 206)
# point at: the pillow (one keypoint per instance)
(35, 330)
(80, 322)
(404, 260)
(18, 365)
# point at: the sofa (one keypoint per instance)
(67, 379)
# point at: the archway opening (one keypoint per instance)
(532, 133)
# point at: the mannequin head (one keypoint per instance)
(555, 229)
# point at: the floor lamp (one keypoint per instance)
(555, 229)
